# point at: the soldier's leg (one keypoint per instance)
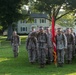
(47, 56)
(58, 57)
(17, 50)
(36, 55)
(43, 62)
(70, 53)
(30, 55)
(50, 56)
(33, 56)
(62, 57)
(67, 55)
(73, 47)
(14, 50)
(42, 57)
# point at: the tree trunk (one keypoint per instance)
(9, 33)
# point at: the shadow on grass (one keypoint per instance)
(21, 66)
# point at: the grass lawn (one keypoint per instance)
(21, 66)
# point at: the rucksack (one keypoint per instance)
(63, 38)
(32, 39)
(43, 34)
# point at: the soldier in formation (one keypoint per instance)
(70, 43)
(43, 44)
(61, 43)
(49, 54)
(42, 50)
(31, 46)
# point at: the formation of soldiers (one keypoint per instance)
(39, 46)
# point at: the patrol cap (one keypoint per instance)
(47, 28)
(40, 28)
(14, 32)
(59, 30)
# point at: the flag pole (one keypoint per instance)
(53, 40)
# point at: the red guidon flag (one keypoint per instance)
(53, 40)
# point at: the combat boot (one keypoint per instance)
(70, 62)
(61, 64)
(48, 62)
(32, 62)
(67, 61)
(58, 65)
(42, 65)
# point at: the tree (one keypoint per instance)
(10, 11)
(52, 7)
(66, 21)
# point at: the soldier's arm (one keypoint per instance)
(73, 36)
(26, 43)
(49, 42)
(36, 43)
(65, 41)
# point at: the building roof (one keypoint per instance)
(38, 15)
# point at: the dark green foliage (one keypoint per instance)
(72, 4)
(10, 11)
(52, 7)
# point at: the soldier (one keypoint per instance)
(70, 41)
(34, 32)
(61, 45)
(31, 46)
(42, 42)
(49, 50)
(15, 42)
(73, 44)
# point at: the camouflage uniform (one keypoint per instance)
(73, 45)
(42, 42)
(61, 42)
(31, 46)
(15, 42)
(49, 49)
(69, 50)
(34, 33)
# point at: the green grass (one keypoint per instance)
(21, 66)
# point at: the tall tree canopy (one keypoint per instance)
(66, 21)
(10, 11)
(52, 7)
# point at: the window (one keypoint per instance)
(35, 20)
(26, 28)
(22, 28)
(21, 21)
(42, 20)
(24, 21)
